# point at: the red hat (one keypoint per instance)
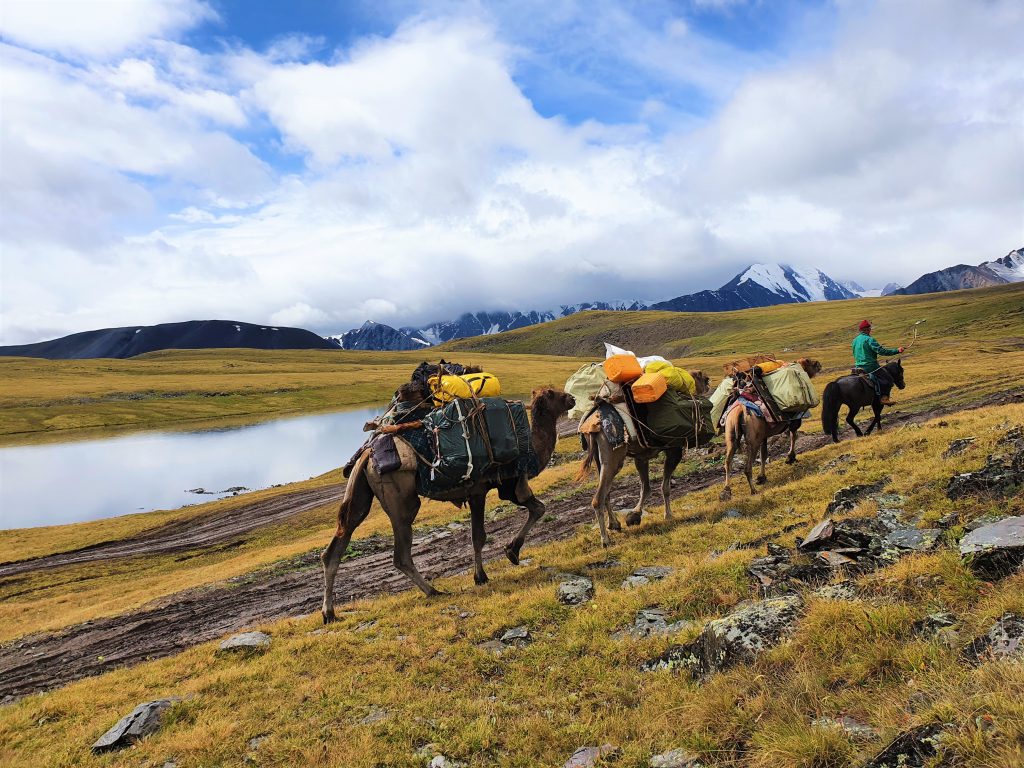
(864, 325)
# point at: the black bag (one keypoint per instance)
(384, 455)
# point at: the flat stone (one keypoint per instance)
(912, 539)
(1000, 476)
(140, 722)
(741, 636)
(845, 499)
(958, 446)
(995, 550)
(731, 514)
(911, 749)
(819, 535)
(931, 624)
(246, 642)
(1003, 641)
(587, 757)
(675, 758)
(854, 729)
(651, 622)
(440, 761)
(375, 715)
(516, 636)
(844, 590)
(575, 590)
(254, 743)
(646, 575)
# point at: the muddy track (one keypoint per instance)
(168, 626)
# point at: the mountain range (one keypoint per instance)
(1008, 269)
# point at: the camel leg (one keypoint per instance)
(397, 494)
(349, 518)
(476, 516)
(850, 414)
(535, 511)
(751, 454)
(791, 458)
(672, 458)
(611, 463)
(763, 478)
(643, 468)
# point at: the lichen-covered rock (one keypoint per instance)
(902, 540)
(646, 575)
(651, 622)
(575, 590)
(1001, 475)
(844, 590)
(995, 550)
(675, 758)
(246, 642)
(911, 749)
(732, 639)
(587, 757)
(854, 729)
(958, 446)
(845, 499)
(1004, 640)
(140, 722)
(516, 636)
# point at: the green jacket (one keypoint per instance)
(866, 351)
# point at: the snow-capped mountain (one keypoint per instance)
(762, 285)
(373, 335)
(1008, 269)
(477, 324)
(890, 289)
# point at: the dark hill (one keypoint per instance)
(194, 334)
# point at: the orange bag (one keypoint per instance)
(623, 369)
(649, 387)
(770, 366)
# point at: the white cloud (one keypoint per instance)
(96, 27)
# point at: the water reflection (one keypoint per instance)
(72, 482)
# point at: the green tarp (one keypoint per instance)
(677, 421)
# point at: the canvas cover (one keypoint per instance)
(719, 398)
(792, 389)
(467, 441)
(678, 421)
(448, 388)
(583, 385)
(676, 377)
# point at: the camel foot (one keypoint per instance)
(725, 495)
(633, 518)
(761, 480)
(512, 553)
(791, 460)
(328, 616)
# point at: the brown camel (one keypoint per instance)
(610, 461)
(396, 492)
(742, 425)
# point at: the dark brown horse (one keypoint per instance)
(746, 426)
(855, 392)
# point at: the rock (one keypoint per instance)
(911, 749)
(493, 646)
(738, 637)
(911, 539)
(1001, 475)
(140, 722)
(844, 590)
(933, 623)
(995, 550)
(845, 499)
(675, 758)
(246, 642)
(440, 761)
(819, 535)
(375, 715)
(1012, 436)
(1004, 640)
(958, 446)
(516, 636)
(575, 590)
(651, 622)
(586, 757)
(731, 514)
(854, 729)
(255, 741)
(646, 575)
(603, 565)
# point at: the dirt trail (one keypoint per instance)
(177, 622)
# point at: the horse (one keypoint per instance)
(855, 392)
(397, 494)
(610, 460)
(743, 425)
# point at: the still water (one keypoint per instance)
(91, 479)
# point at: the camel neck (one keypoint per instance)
(543, 435)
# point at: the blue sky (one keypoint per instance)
(319, 164)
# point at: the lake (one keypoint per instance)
(91, 479)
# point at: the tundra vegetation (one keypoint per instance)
(400, 678)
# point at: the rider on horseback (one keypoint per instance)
(866, 350)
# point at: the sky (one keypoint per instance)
(321, 163)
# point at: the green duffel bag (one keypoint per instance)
(583, 385)
(792, 389)
(678, 421)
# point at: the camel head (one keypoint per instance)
(551, 402)
(703, 382)
(811, 367)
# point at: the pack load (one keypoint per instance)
(720, 398)
(614, 394)
(769, 367)
(649, 387)
(676, 377)
(791, 389)
(622, 369)
(583, 386)
(744, 365)
(447, 387)
(676, 421)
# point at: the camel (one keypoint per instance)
(610, 460)
(743, 425)
(396, 492)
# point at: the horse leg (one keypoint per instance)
(672, 458)
(350, 515)
(731, 444)
(876, 407)
(476, 517)
(643, 468)
(751, 455)
(763, 478)
(850, 414)
(535, 511)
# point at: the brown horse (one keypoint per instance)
(396, 492)
(743, 425)
(610, 460)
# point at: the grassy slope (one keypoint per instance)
(575, 685)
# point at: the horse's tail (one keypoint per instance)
(831, 399)
(590, 444)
